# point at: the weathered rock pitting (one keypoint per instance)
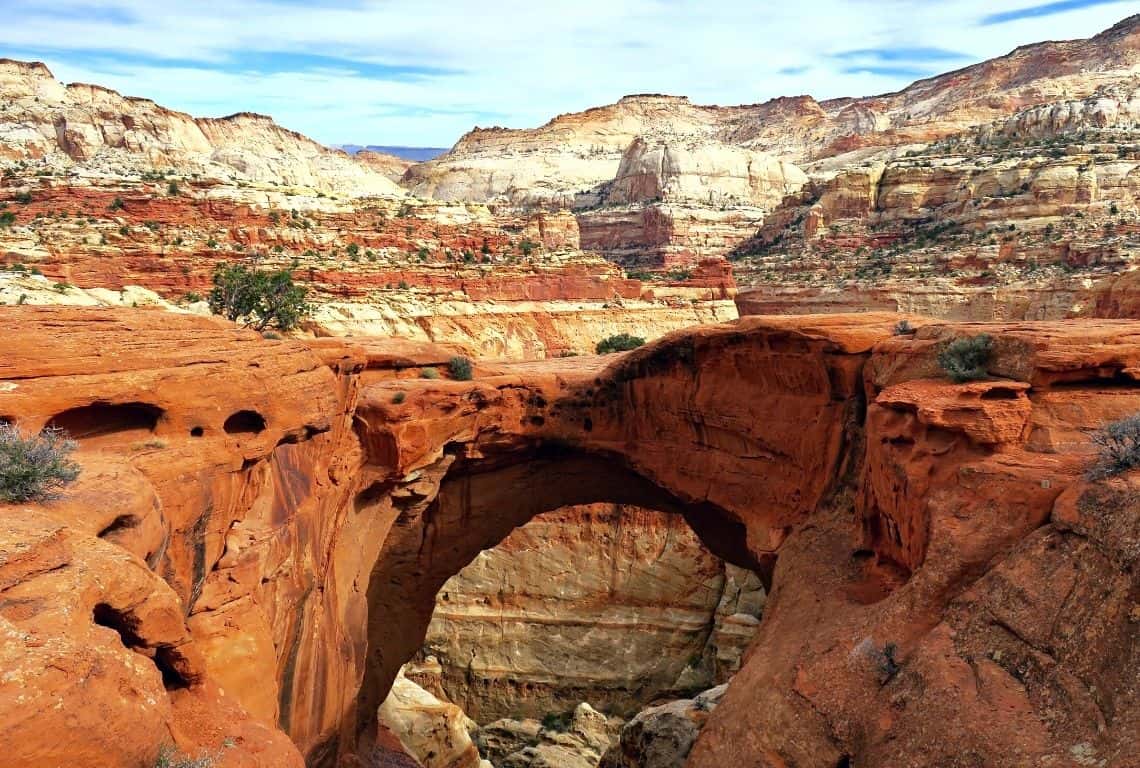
(914, 532)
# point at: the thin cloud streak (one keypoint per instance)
(1045, 9)
(421, 73)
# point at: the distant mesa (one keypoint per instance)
(415, 154)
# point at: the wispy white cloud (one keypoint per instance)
(424, 71)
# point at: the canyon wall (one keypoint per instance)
(614, 606)
(89, 130)
(494, 285)
(556, 162)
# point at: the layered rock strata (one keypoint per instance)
(610, 605)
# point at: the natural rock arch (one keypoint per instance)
(743, 454)
(476, 507)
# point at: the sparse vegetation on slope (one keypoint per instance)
(35, 468)
(966, 359)
(622, 342)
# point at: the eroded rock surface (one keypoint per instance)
(916, 533)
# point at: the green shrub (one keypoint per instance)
(169, 757)
(172, 189)
(116, 204)
(903, 328)
(553, 721)
(965, 359)
(7, 218)
(24, 197)
(460, 368)
(429, 373)
(399, 397)
(264, 298)
(34, 468)
(1119, 444)
(622, 342)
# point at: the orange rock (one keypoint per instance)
(934, 553)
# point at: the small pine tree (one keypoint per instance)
(622, 342)
(460, 368)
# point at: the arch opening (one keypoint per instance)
(479, 503)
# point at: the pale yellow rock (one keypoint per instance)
(436, 733)
(606, 604)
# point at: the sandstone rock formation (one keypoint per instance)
(437, 734)
(90, 130)
(662, 736)
(656, 181)
(497, 285)
(579, 151)
(577, 742)
(610, 605)
(973, 229)
(916, 533)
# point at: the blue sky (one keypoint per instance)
(422, 72)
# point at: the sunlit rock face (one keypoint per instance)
(96, 131)
(607, 604)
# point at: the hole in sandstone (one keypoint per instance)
(1000, 393)
(197, 432)
(308, 432)
(862, 554)
(844, 762)
(244, 423)
(537, 421)
(120, 523)
(172, 679)
(125, 625)
(900, 440)
(588, 424)
(101, 420)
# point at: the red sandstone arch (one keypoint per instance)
(744, 460)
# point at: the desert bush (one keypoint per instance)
(399, 397)
(34, 468)
(622, 342)
(460, 368)
(429, 373)
(883, 660)
(965, 359)
(169, 757)
(1119, 444)
(7, 218)
(903, 328)
(552, 721)
(264, 299)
